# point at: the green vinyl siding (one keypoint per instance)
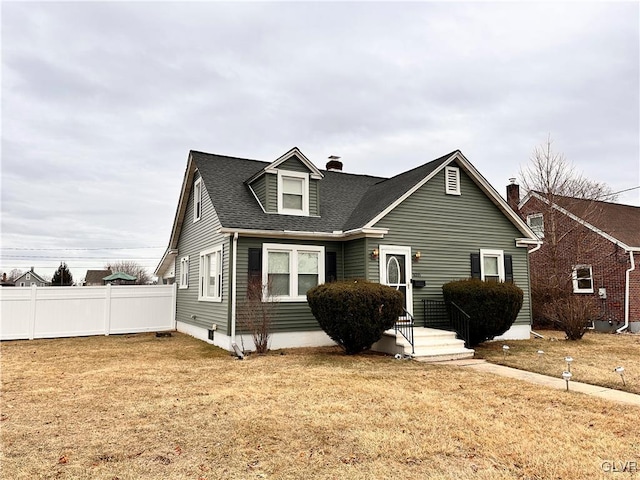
(294, 164)
(289, 316)
(446, 229)
(196, 237)
(271, 189)
(355, 259)
(259, 187)
(314, 197)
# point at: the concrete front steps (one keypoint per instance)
(431, 345)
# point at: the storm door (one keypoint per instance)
(395, 271)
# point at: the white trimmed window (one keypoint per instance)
(211, 275)
(452, 180)
(492, 265)
(293, 193)
(197, 200)
(289, 271)
(536, 223)
(582, 279)
(28, 276)
(184, 272)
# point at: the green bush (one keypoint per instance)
(492, 306)
(355, 313)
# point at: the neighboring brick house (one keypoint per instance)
(598, 248)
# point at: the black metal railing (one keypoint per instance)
(460, 322)
(437, 315)
(405, 327)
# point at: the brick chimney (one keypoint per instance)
(334, 164)
(513, 194)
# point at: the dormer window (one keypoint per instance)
(293, 193)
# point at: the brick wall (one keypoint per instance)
(579, 245)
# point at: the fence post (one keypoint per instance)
(107, 310)
(32, 312)
(174, 306)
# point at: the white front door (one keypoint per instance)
(395, 271)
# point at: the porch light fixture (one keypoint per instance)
(568, 360)
(566, 376)
(620, 371)
(374, 254)
(416, 256)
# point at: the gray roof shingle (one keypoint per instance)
(347, 201)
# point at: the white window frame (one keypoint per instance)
(293, 251)
(499, 254)
(205, 268)
(574, 277)
(538, 230)
(28, 276)
(184, 272)
(22, 284)
(455, 171)
(305, 193)
(197, 200)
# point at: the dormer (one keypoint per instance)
(288, 186)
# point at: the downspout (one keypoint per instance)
(234, 263)
(535, 249)
(626, 293)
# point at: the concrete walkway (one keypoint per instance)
(551, 382)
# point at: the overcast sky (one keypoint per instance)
(101, 103)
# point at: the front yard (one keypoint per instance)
(594, 357)
(137, 406)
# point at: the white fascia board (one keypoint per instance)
(586, 224)
(408, 193)
(526, 242)
(475, 175)
(168, 257)
(182, 203)
(257, 199)
(351, 234)
(315, 173)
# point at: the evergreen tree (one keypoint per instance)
(62, 276)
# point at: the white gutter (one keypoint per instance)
(626, 293)
(536, 248)
(337, 235)
(234, 263)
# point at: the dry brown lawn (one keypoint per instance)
(594, 357)
(141, 407)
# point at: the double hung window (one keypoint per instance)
(289, 271)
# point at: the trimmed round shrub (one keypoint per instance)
(492, 306)
(355, 313)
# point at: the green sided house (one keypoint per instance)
(292, 226)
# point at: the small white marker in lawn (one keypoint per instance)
(566, 377)
(398, 356)
(620, 371)
(540, 354)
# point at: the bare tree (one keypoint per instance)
(13, 274)
(256, 312)
(130, 267)
(556, 185)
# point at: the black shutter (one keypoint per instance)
(255, 265)
(330, 267)
(508, 268)
(475, 265)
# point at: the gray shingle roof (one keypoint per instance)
(96, 276)
(347, 201)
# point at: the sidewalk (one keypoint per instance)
(551, 382)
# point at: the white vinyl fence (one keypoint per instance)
(51, 312)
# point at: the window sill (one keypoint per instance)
(285, 299)
(210, 299)
(584, 291)
(181, 287)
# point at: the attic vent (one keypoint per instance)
(334, 163)
(452, 181)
